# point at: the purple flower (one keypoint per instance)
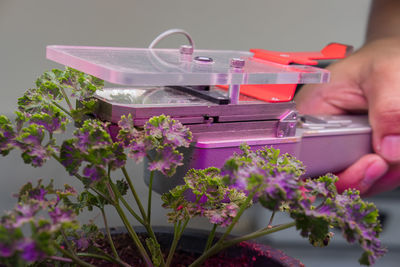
(29, 250)
(6, 250)
(166, 160)
(137, 149)
(324, 186)
(32, 136)
(358, 221)
(204, 194)
(92, 135)
(83, 141)
(92, 144)
(192, 197)
(94, 173)
(216, 218)
(118, 157)
(38, 194)
(30, 142)
(25, 213)
(270, 183)
(36, 155)
(240, 178)
(70, 157)
(168, 131)
(126, 123)
(7, 135)
(160, 132)
(127, 131)
(82, 243)
(178, 135)
(224, 215)
(282, 185)
(50, 118)
(60, 216)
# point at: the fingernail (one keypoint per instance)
(390, 147)
(373, 172)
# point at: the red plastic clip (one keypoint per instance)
(331, 51)
(285, 92)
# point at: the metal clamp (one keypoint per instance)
(287, 125)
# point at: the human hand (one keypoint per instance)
(366, 82)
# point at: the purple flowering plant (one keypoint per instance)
(43, 227)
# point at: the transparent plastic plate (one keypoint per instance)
(163, 67)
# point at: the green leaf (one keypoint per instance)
(122, 187)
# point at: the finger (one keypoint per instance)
(382, 90)
(341, 95)
(389, 181)
(362, 174)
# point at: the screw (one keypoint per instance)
(237, 63)
(186, 49)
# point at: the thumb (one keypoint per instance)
(382, 91)
(362, 174)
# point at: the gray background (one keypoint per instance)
(26, 27)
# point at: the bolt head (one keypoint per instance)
(186, 49)
(237, 63)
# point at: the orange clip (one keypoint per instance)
(285, 92)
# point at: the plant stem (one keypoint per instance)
(214, 249)
(80, 178)
(119, 197)
(69, 246)
(145, 222)
(109, 234)
(150, 196)
(134, 236)
(62, 108)
(210, 237)
(184, 227)
(222, 245)
(131, 211)
(135, 195)
(72, 256)
(259, 233)
(178, 231)
(174, 244)
(58, 258)
(104, 257)
(150, 231)
(270, 219)
(66, 99)
(237, 217)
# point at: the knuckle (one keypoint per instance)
(387, 115)
(381, 66)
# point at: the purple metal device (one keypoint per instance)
(181, 83)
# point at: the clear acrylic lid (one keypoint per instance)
(160, 67)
